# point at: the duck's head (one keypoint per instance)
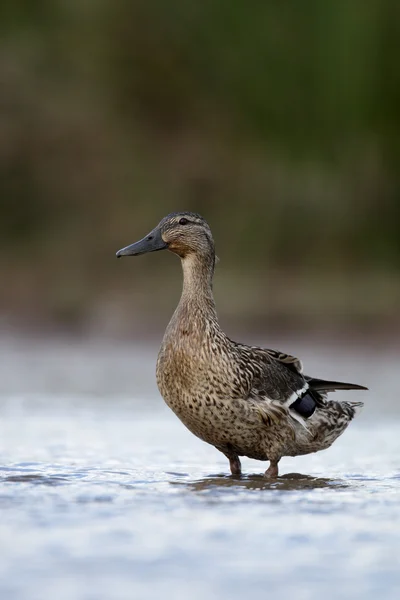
(183, 233)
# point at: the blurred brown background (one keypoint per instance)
(278, 121)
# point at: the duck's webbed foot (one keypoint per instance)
(234, 463)
(272, 471)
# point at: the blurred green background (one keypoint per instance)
(279, 121)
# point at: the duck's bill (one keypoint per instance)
(151, 243)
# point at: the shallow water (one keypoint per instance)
(105, 495)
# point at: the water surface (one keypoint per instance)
(105, 495)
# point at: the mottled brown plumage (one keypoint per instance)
(244, 400)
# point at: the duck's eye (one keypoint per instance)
(183, 221)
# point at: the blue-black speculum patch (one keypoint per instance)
(304, 406)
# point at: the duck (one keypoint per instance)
(243, 400)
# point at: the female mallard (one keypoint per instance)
(244, 400)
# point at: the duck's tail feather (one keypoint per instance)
(357, 407)
(320, 385)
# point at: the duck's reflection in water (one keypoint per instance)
(288, 482)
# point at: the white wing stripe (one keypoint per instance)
(296, 395)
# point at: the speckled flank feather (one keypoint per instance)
(244, 400)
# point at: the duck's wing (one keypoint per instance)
(279, 388)
(292, 362)
(281, 381)
(277, 385)
(282, 375)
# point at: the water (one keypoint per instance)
(105, 495)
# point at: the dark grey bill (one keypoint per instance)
(150, 243)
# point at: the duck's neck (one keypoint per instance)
(197, 292)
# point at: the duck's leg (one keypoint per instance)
(234, 463)
(272, 471)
